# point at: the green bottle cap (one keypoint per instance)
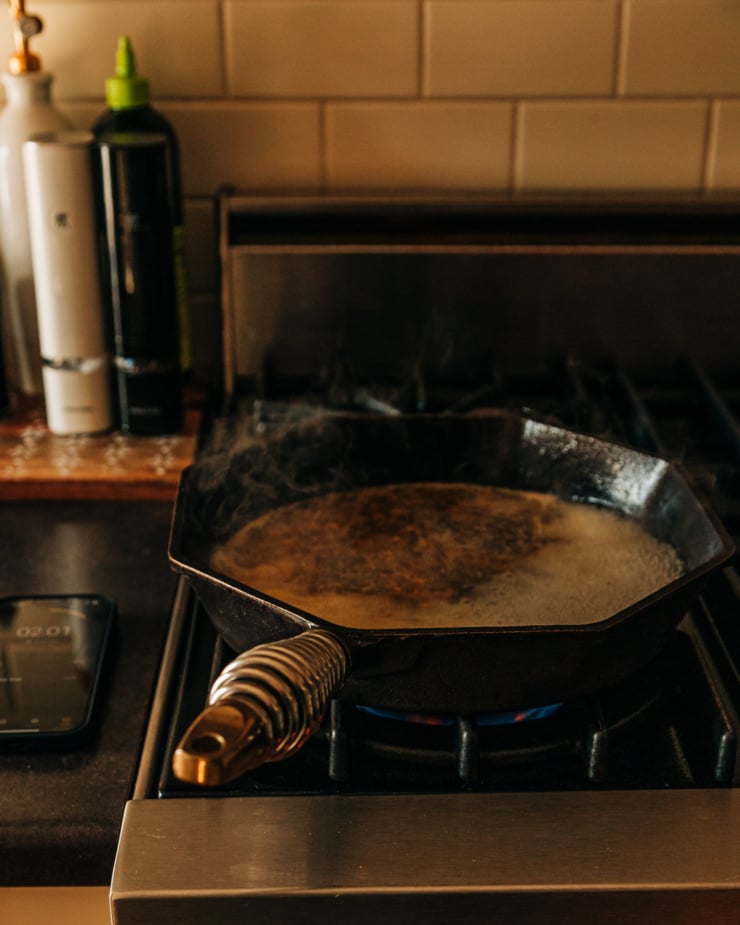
(126, 90)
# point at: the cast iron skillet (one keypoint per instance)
(456, 669)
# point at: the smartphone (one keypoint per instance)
(52, 656)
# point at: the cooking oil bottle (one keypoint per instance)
(28, 111)
(144, 264)
(130, 112)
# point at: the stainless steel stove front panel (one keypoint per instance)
(616, 857)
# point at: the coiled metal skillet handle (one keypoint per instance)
(264, 706)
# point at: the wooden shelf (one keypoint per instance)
(36, 464)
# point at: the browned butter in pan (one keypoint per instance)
(448, 555)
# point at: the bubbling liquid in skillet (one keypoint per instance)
(432, 555)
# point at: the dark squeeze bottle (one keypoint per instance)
(140, 270)
(146, 273)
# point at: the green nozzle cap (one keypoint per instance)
(126, 90)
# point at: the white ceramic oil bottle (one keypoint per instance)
(29, 110)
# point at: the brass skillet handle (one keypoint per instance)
(224, 741)
(263, 707)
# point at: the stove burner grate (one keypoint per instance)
(668, 726)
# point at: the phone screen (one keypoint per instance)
(51, 654)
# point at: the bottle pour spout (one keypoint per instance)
(126, 89)
(25, 27)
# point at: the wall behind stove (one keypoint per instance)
(418, 95)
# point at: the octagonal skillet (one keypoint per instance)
(454, 669)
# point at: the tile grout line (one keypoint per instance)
(711, 141)
(620, 56)
(323, 116)
(224, 50)
(516, 166)
(422, 44)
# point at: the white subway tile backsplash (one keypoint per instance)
(81, 115)
(247, 145)
(416, 95)
(322, 48)
(328, 94)
(419, 146)
(724, 167)
(618, 146)
(251, 146)
(682, 47)
(177, 44)
(520, 47)
(201, 244)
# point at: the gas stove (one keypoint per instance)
(621, 805)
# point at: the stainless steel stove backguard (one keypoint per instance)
(458, 287)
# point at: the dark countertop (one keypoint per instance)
(60, 812)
